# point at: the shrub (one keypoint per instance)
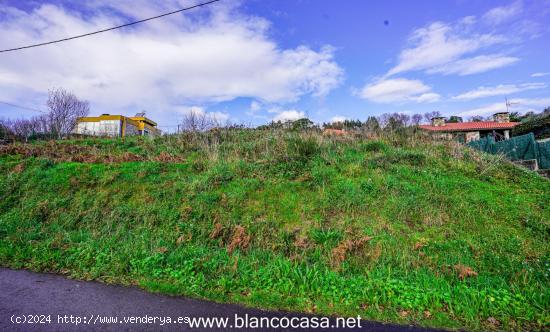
(375, 146)
(302, 148)
(398, 158)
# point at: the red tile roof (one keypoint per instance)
(471, 126)
(330, 131)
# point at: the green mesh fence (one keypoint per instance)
(522, 147)
(482, 144)
(517, 148)
(544, 155)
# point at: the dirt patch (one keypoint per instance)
(161, 250)
(185, 212)
(235, 264)
(301, 242)
(165, 157)
(345, 247)
(128, 156)
(239, 239)
(85, 158)
(375, 254)
(493, 322)
(19, 168)
(184, 238)
(404, 313)
(62, 152)
(216, 232)
(464, 271)
(419, 245)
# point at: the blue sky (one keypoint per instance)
(253, 61)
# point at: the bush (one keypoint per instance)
(375, 146)
(398, 158)
(539, 125)
(302, 148)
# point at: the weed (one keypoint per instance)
(464, 271)
(375, 146)
(216, 231)
(239, 239)
(346, 247)
(273, 219)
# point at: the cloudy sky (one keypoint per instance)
(253, 61)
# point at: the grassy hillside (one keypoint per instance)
(400, 230)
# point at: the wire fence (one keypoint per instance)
(523, 147)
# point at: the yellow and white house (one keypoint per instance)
(116, 126)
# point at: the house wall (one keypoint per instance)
(131, 129)
(501, 117)
(461, 136)
(485, 133)
(443, 136)
(99, 128)
(438, 121)
(472, 136)
(149, 130)
(114, 126)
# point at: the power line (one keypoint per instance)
(109, 29)
(22, 107)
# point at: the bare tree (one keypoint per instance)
(372, 126)
(64, 109)
(23, 128)
(429, 115)
(393, 121)
(5, 131)
(402, 118)
(196, 120)
(416, 119)
(384, 119)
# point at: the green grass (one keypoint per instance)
(299, 197)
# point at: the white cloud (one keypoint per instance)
(475, 65)
(468, 20)
(520, 105)
(338, 118)
(289, 115)
(398, 90)
(220, 117)
(191, 109)
(499, 90)
(440, 45)
(538, 103)
(469, 45)
(255, 106)
(204, 56)
(540, 74)
(427, 98)
(484, 110)
(503, 14)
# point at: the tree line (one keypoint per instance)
(63, 110)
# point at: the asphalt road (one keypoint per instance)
(27, 296)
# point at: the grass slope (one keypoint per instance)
(391, 229)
